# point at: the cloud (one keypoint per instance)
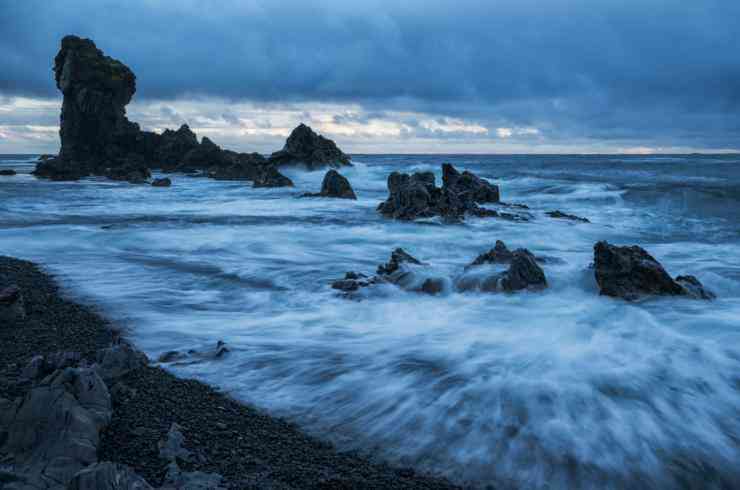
(628, 73)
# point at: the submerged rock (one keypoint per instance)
(8, 172)
(335, 185)
(163, 182)
(416, 196)
(304, 146)
(631, 273)
(499, 254)
(561, 215)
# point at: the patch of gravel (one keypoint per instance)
(251, 449)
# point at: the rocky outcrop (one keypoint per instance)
(172, 449)
(304, 146)
(245, 166)
(632, 273)
(108, 476)
(269, 176)
(416, 196)
(523, 272)
(469, 185)
(334, 185)
(561, 215)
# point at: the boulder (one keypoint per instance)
(163, 182)
(522, 273)
(304, 146)
(416, 196)
(561, 215)
(41, 366)
(53, 432)
(398, 257)
(119, 360)
(269, 176)
(335, 185)
(12, 307)
(632, 273)
(171, 447)
(8, 172)
(177, 479)
(108, 476)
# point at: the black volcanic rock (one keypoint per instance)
(335, 185)
(561, 215)
(206, 155)
(269, 176)
(244, 166)
(523, 272)
(631, 273)
(8, 172)
(499, 254)
(479, 190)
(164, 182)
(416, 196)
(304, 146)
(173, 147)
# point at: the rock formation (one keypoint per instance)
(416, 196)
(269, 176)
(334, 185)
(163, 182)
(304, 146)
(631, 273)
(98, 139)
(522, 273)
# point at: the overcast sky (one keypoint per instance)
(397, 76)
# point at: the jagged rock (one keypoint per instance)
(245, 166)
(499, 254)
(398, 257)
(40, 366)
(12, 307)
(522, 273)
(108, 476)
(416, 196)
(204, 156)
(352, 282)
(171, 448)
(53, 432)
(335, 185)
(163, 182)
(131, 169)
(631, 273)
(561, 215)
(176, 479)
(8, 172)
(118, 360)
(173, 147)
(479, 190)
(304, 146)
(269, 176)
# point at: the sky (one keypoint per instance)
(396, 76)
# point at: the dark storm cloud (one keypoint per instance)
(666, 70)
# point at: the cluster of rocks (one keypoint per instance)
(98, 139)
(408, 273)
(417, 196)
(629, 273)
(334, 185)
(632, 273)
(561, 215)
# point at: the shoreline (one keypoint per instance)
(245, 446)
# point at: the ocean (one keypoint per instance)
(561, 388)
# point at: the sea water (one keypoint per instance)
(560, 388)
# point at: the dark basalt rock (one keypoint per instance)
(398, 257)
(304, 146)
(163, 182)
(8, 172)
(523, 272)
(244, 166)
(561, 215)
(132, 169)
(269, 176)
(173, 146)
(416, 196)
(479, 190)
(335, 185)
(631, 273)
(206, 155)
